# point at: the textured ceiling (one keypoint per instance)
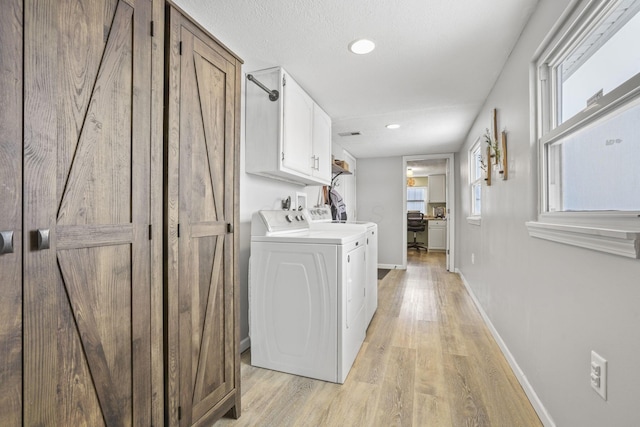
(434, 64)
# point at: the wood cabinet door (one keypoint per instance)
(201, 130)
(87, 74)
(11, 213)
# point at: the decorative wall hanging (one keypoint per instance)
(488, 166)
(503, 150)
(496, 150)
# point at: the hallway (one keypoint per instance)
(428, 360)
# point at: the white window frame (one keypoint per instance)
(614, 232)
(475, 217)
(426, 198)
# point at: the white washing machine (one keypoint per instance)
(306, 296)
(320, 218)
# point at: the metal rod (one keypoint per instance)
(273, 94)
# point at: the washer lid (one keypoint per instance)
(321, 218)
(322, 237)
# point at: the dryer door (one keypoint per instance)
(356, 276)
(353, 328)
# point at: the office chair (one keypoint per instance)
(415, 223)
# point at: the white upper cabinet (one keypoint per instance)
(287, 139)
(437, 190)
(297, 138)
(321, 156)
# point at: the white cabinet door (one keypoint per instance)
(297, 128)
(437, 235)
(437, 193)
(321, 145)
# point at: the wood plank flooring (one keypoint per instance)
(428, 360)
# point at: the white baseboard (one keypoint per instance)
(245, 343)
(542, 412)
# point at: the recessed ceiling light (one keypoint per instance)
(393, 126)
(361, 46)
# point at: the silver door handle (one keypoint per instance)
(6, 242)
(43, 238)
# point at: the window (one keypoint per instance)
(475, 181)
(417, 199)
(588, 90)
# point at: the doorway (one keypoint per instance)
(416, 172)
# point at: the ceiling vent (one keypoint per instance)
(348, 133)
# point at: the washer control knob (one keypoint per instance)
(289, 218)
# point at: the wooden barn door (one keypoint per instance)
(202, 88)
(87, 67)
(11, 214)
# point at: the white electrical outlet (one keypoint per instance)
(599, 374)
(473, 258)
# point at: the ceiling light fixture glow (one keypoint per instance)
(361, 46)
(393, 126)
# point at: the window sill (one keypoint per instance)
(614, 241)
(474, 220)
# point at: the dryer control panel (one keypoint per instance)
(320, 214)
(278, 221)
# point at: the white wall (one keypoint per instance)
(550, 303)
(379, 198)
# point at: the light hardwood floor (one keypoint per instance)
(428, 360)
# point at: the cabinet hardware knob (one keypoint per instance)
(43, 238)
(6, 242)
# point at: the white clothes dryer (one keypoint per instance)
(306, 296)
(320, 218)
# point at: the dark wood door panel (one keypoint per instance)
(87, 143)
(202, 197)
(11, 213)
(201, 150)
(97, 184)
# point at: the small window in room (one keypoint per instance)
(588, 90)
(417, 199)
(475, 159)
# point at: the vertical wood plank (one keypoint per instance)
(188, 273)
(140, 188)
(40, 144)
(11, 213)
(235, 240)
(156, 214)
(395, 404)
(171, 214)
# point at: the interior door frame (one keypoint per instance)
(450, 197)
